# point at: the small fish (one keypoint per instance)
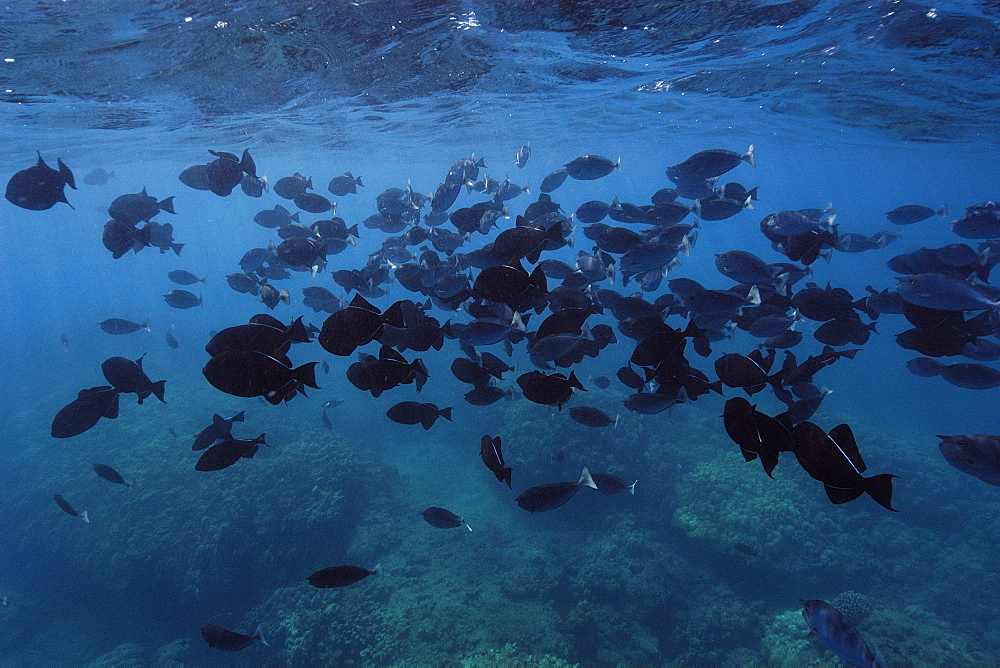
(414, 412)
(914, 213)
(120, 326)
(444, 519)
(492, 455)
(111, 475)
(230, 641)
(64, 339)
(98, 177)
(591, 417)
(345, 184)
(182, 299)
(523, 153)
(181, 277)
(127, 376)
(171, 341)
(68, 509)
(590, 167)
(609, 484)
(341, 576)
(219, 430)
(226, 453)
(745, 549)
(172, 432)
(552, 495)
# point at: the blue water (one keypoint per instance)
(866, 106)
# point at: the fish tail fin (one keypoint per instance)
(631, 488)
(177, 249)
(879, 487)
(157, 388)
(260, 440)
(466, 524)
(167, 205)
(83, 516)
(259, 635)
(306, 374)
(943, 211)
(378, 569)
(505, 475)
(586, 479)
(145, 325)
(749, 157)
(445, 413)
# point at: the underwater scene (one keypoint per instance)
(462, 333)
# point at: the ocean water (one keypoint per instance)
(862, 106)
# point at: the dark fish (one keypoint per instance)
(263, 334)
(226, 453)
(975, 454)
(248, 373)
(172, 432)
(64, 340)
(591, 417)
(552, 495)
(548, 389)
(253, 186)
(523, 153)
(486, 395)
(182, 299)
(289, 187)
(745, 549)
(313, 203)
(609, 484)
(590, 167)
(271, 296)
(757, 434)
(83, 412)
(98, 177)
(341, 576)
(492, 455)
(181, 277)
(244, 283)
(914, 213)
(39, 187)
(68, 509)
(139, 207)
(553, 180)
(709, 164)
(119, 326)
(326, 419)
(944, 293)
(127, 376)
(839, 635)
(345, 184)
(120, 238)
(219, 430)
(414, 412)
(601, 382)
(279, 216)
(171, 341)
(109, 474)
(230, 641)
(356, 325)
(834, 460)
(443, 519)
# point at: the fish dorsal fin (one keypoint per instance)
(362, 303)
(217, 419)
(843, 437)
